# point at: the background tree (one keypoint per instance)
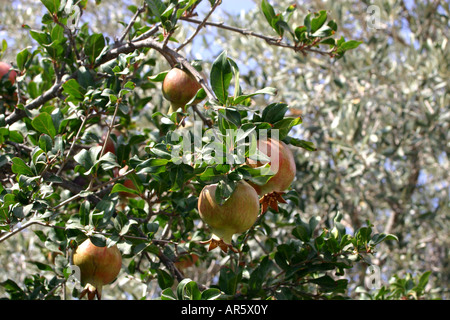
(368, 130)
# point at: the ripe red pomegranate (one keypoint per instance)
(98, 266)
(179, 87)
(284, 168)
(236, 215)
(4, 69)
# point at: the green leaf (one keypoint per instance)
(274, 112)
(221, 75)
(267, 90)
(158, 77)
(10, 286)
(229, 280)
(52, 5)
(211, 294)
(323, 32)
(187, 289)
(20, 167)
(22, 58)
(351, 44)
(318, 21)
(167, 294)
(94, 46)
(301, 143)
(380, 237)
(151, 165)
(45, 142)
(157, 7)
(268, 11)
(42, 38)
(57, 34)
(307, 23)
(327, 284)
(333, 25)
(118, 187)
(300, 33)
(424, 280)
(285, 125)
(88, 158)
(301, 232)
(259, 275)
(224, 190)
(44, 124)
(4, 46)
(73, 90)
(127, 226)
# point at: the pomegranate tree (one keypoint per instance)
(179, 87)
(98, 266)
(236, 215)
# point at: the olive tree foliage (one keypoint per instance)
(361, 108)
(380, 119)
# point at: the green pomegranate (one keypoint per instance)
(236, 215)
(99, 266)
(179, 87)
(284, 171)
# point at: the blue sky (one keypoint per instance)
(231, 6)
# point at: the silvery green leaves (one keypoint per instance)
(89, 160)
(314, 32)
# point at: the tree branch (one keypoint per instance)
(270, 40)
(200, 26)
(169, 54)
(133, 20)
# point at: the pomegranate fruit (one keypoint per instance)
(4, 69)
(179, 87)
(236, 215)
(99, 266)
(284, 169)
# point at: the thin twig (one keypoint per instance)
(93, 188)
(270, 40)
(72, 145)
(148, 33)
(206, 121)
(133, 20)
(200, 26)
